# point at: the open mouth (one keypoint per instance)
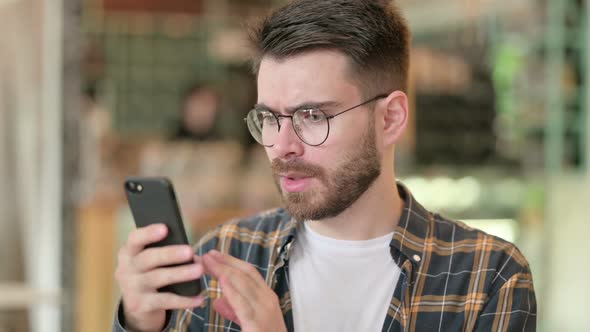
(295, 182)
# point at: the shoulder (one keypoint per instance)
(460, 248)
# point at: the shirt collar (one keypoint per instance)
(288, 231)
(410, 235)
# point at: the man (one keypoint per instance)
(352, 250)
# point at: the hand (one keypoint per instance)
(247, 299)
(140, 272)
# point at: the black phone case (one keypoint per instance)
(156, 203)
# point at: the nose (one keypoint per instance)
(287, 144)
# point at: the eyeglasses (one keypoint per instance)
(311, 124)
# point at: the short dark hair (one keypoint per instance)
(373, 34)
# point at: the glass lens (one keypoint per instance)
(311, 125)
(263, 126)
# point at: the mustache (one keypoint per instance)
(295, 165)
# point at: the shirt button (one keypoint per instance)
(417, 258)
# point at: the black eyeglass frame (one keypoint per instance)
(328, 117)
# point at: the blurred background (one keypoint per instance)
(93, 91)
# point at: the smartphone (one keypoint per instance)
(152, 200)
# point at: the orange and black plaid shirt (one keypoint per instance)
(454, 278)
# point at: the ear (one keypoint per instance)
(395, 117)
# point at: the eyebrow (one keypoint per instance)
(293, 109)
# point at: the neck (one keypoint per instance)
(375, 213)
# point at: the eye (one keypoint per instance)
(313, 115)
(267, 118)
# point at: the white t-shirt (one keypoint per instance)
(338, 285)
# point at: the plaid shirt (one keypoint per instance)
(453, 277)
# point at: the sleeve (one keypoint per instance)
(119, 323)
(512, 308)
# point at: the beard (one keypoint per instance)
(343, 186)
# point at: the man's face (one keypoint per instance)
(318, 182)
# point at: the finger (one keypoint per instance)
(201, 260)
(225, 310)
(243, 308)
(221, 271)
(239, 264)
(141, 237)
(158, 278)
(213, 267)
(170, 301)
(151, 258)
(229, 274)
